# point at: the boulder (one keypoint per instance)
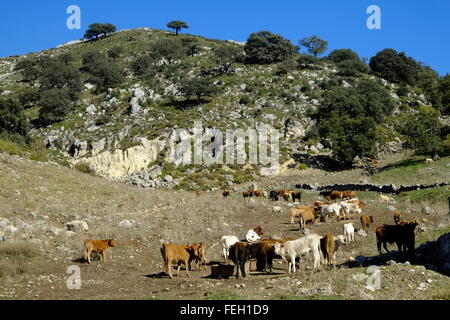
(277, 209)
(77, 226)
(128, 224)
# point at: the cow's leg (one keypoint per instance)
(385, 247)
(186, 262)
(293, 264)
(178, 269)
(87, 256)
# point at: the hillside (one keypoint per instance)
(123, 132)
(37, 200)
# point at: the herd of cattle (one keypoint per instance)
(341, 205)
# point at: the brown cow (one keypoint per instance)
(366, 221)
(258, 193)
(350, 194)
(308, 215)
(397, 217)
(198, 255)
(247, 194)
(179, 254)
(296, 212)
(266, 253)
(327, 246)
(99, 246)
(285, 194)
(226, 193)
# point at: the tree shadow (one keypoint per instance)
(401, 164)
(187, 104)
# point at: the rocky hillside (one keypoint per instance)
(124, 131)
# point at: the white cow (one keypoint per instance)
(352, 207)
(335, 210)
(296, 248)
(252, 236)
(349, 232)
(227, 242)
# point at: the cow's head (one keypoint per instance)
(279, 248)
(371, 219)
(259, 231)
(113, 242)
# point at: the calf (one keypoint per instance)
(327, 245)
(297, 248)
(429, 161)
(397, 217)
(226, 243)
(349, 233)
(254, 234)
(240, 253)
(198, 255)
(385, 198)
(366, 221)
(226, 193)
(179, 254)
(99, 246)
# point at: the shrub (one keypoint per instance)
(170, 49)
(423, 131)
(340, 55)
(305, 61)
(141, 65)
(225, 55)
(199, 87)
(367, 99)
(12, 117)
(104, 72)
(264, 47)
(395, 67)
(55, 106)
(284, 67)
(352, 68)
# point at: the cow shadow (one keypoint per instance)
(427, 255)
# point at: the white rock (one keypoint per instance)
(128, 224)
(77, 225)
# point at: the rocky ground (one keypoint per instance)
(46, 212)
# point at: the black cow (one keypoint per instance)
(240, 253)
(274, 195)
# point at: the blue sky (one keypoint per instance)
(419, 28)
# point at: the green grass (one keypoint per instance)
(433, 195)
(412, 170)
(431, 236)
